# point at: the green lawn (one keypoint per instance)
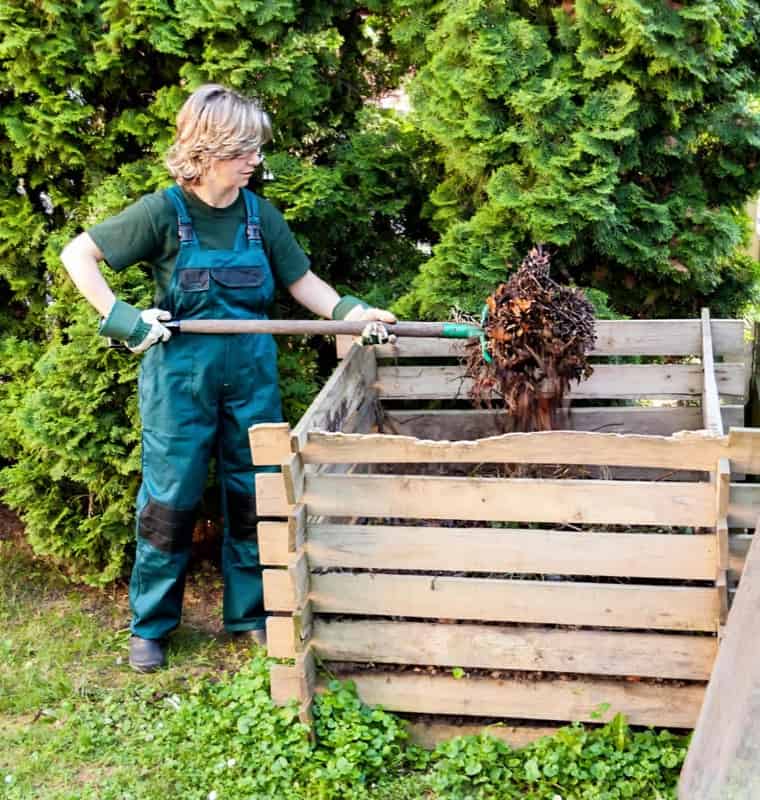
(75, 722)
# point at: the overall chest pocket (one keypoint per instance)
(239, 277)
(193, 280)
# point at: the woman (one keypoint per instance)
(216, 250)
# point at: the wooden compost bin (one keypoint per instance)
(536, 601)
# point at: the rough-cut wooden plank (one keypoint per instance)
(738, 547)
(306, 670)
(293, 475)
(271, 497)
(270, 442)
(724, 757)
(430, 734)
(285, 683)
(341, 397)
(469, 424)
(278, 590)
(274, 550)
(516, 551)
(697, 450)
(661, 337)
(581, 700)
(710, 398)
(743, 505)
(608, 381)
(495, 647)
(514, 500)
(298, 570)
(503, 600)
(281, 637)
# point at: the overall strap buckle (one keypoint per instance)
(184, 223)
(252, 224)
(185, 230)
(253, 232)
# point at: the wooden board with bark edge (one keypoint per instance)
(687, 450)
(470, 424)
(673, 608)
(660, 337)
(512, 499)
(583, 700)
(494, 647)
(523, 551)
(608, 381)
(724, 756)
(342, 397)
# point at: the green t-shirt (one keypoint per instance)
(147, 231)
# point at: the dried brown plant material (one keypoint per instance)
(538, 334)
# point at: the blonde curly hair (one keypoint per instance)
(215, 122)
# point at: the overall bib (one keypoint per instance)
(198, 396)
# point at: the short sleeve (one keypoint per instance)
(288, 260)
(128, 237)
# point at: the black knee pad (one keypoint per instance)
(166, 528)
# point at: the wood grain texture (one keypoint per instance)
(502, 600)
(559, 700)
(270, 443)
(724, 757)
(515, 551)
(608, 381)
(521, 648)
(711, 417)
(512, 500)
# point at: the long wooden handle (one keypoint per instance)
(316, 327)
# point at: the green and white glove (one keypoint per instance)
(139, 330)
(353, 309)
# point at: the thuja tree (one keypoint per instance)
(88, 95)
(623, 135)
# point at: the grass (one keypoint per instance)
(77, 724)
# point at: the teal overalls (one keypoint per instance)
(198, 396)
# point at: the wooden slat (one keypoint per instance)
(710, 398)
(608, 381)
(724, 757)
(581, 700)
(430, 734)
(661, 337)
(743, 505)
(459, 424)
(281, 637)
(293, 475)
(515, 648)
(513, 551)
(343, 396)
(514, 500)
(271, 497)
(738, 547)
(270, 443)
(501, 600)
(695, 450)
(285, 683)
(274, 545)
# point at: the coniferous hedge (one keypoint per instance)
(623, 135)
(626, 135)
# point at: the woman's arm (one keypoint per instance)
(320, 298)
(80, 257)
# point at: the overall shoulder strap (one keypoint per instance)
(252, 221)
(184, 223)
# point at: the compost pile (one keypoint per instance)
(538, 334)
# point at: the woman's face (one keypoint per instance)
(229, 173)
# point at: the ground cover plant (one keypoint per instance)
(76, 723)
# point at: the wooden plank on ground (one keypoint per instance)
(608, 381)
(512, 500)
(387, 547)
(497, 647)
(651, 337)
(559, 700)
(724, 757)
(502, 600)
(695, 450)
(341, 398)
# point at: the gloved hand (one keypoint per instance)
(375, 332)
(138, 329)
